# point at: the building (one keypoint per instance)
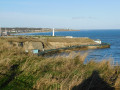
(98, 41)
(35, 47)
(53, 32)
(5, 33)
(69, 37)
(29, 46)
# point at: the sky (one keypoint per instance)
(73, 14)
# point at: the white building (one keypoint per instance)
(53, 32)
(69, 37)
(0, 31)
(98, 41)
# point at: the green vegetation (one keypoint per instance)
(25, 71)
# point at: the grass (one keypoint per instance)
(20, 70)
(70, 40)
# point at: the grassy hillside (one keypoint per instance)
(25, 71)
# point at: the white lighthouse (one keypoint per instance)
(53, 32)
(0, 31)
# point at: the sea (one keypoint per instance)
(111, 36)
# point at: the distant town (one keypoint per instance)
(5, 31)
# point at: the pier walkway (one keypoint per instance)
(72, 47)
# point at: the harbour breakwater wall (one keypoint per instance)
(77, 47)
(53, 44)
